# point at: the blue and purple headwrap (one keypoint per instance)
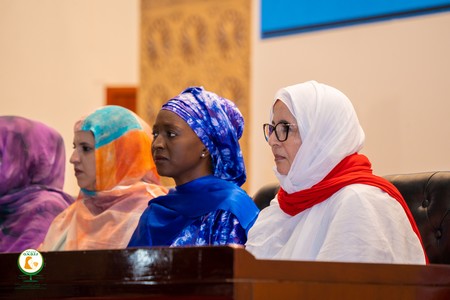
(219, 125)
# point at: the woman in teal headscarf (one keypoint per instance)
(196, 142)
(117, 177)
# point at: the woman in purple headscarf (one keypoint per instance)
(196, 142)
(32, 158)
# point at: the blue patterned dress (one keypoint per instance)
(205, 211)
(216, 228)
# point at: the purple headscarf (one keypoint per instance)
(219, 125)
(32, 164)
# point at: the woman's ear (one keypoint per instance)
(205, 153)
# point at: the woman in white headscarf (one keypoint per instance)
(330, 207)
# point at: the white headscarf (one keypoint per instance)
(329, 130)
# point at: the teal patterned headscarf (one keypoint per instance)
(219, 124)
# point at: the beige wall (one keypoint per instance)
(57, 56)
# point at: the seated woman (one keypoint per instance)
(196, 142)
(117, 176)
(330, 206)
(32, 164)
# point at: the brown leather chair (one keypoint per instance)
(428, 197)
(265, 194)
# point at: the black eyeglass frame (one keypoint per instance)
(272, 129)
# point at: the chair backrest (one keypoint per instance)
(428, 197)
(265, 194)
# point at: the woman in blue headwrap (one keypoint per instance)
(196, 142)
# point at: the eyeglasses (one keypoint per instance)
(281, 130)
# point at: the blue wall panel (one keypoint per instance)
(282, 17)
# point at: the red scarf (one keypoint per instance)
(353, 169)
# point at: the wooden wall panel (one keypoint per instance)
(122, 96)
(195, 42)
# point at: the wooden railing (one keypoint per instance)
(213, 273)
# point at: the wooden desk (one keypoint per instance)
(214, 273)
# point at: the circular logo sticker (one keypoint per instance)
(30, 262)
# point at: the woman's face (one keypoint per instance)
(177, 151)
(83, 159)
(284, 152)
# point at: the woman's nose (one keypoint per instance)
(272, 139)
(157, 142)
(74, 157)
